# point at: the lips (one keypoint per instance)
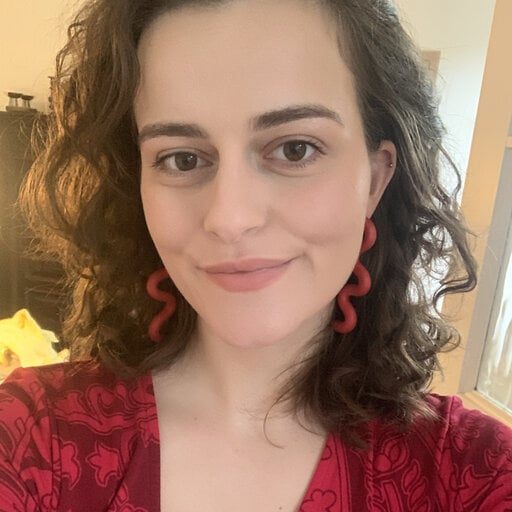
(247, 265)
(245, 281)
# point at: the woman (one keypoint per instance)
(213, 171)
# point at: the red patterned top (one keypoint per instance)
(74, 437)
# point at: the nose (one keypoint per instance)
(236, 201)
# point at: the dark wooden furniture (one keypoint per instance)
(24, 283)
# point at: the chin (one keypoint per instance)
(258, 334)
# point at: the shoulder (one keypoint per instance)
(30, 391)
(469, 433)
(474, 455)
(69, 386)
(57, 376)
(32, 377)
(84, 394)
(51, 418)
(461, 461)
(25, 392)
(27, 451)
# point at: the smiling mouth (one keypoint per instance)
(244, 266)
(244, 281)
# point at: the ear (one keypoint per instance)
(383, 164)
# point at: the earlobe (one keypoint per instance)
(383, 165)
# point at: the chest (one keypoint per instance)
(203, 471)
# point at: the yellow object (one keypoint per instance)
(21, 336)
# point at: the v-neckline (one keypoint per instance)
(316, 476)
(314, 479)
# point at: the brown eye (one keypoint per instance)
(183, 162)
(298, 153)
(295, 150)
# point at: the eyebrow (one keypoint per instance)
(260, 122)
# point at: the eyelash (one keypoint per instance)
(158, 162)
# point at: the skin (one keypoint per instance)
(217, 68)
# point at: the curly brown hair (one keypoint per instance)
(82, 200)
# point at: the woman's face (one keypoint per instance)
(260, 174)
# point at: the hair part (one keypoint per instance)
(82, 201)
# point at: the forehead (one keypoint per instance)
(241, 58)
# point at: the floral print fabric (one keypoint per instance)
(75, 437)
(461, 464)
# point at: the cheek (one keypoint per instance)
(328, 212)
(328, 219)
(167, 222)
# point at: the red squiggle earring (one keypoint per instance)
(362, 287)
(167, 298)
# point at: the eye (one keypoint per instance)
(185, 162)
(295, 150)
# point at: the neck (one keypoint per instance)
(237, 384)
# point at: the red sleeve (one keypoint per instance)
(28, 472)
(476, 461)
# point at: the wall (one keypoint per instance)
(460, 29)
(31, 33)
